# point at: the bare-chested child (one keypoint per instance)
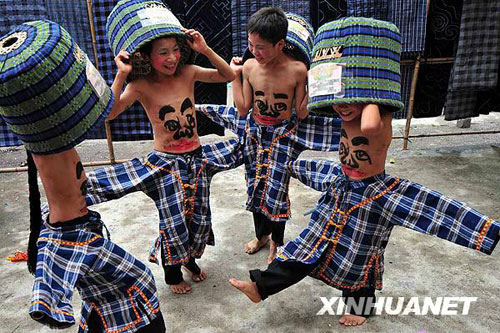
(345, 241)
(272, 84)
(67, 247)
(174, 175)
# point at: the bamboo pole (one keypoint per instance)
(446, 134)
(107, 126)
(92, 31)
(430, 61)
(87, 164)
(411, 105)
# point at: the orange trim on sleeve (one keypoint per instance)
(482, 234)
(51, 309)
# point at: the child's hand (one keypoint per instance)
(122, 61)
(198, 44)
(236, 65)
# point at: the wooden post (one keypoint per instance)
(107, 126)
(409, 115)
(411, 105)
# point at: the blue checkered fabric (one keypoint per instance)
(410, 16)
(132, 124)
(266, 149)
(353, 221)
(73, 16)
(180, 187)
(75, 254)
(474, 80)
(377, 9)
(7, 138)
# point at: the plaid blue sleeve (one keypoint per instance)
(115, 181)
(319, 133)
(225, 116)
(225, 155)
(315, 174)
(418, 208)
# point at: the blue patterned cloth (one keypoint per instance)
(180, 187)
(266, 149)
(353, 221)
(74, 17)
(410, 16)
(377, 9)
(474, 81)
(74, 254)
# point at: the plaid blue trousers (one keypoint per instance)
(353, 221)
(180, 187)
(109, 279)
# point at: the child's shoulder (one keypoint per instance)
(250, 64)
(294, 67)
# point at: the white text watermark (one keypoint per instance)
(419, 306)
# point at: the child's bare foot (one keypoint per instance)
(352, 320)
(180, 288)
(273, 247)
(195, 277)
(248, 288)
(255, 245)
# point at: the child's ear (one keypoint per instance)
(281, 44)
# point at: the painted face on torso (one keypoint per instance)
(362, 156)
(271, 109)
(180, 125)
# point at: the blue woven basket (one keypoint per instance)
(133, 23)
(299, 40)
(355, 60)
(51, 95)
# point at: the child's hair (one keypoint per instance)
(269, 23)
(186, 52)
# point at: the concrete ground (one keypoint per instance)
(463, 167)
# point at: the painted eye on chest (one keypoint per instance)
(279, 107)
(172, 125)
(361, 155)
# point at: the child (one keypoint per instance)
(272, 134)
(52, 110)
(177, 174)
(345, 241)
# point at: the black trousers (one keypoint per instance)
(265, 227)
(157, 325)
(280, 275)
(173, 273)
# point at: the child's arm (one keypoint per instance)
(300, 93)
(129, 95)
(222, 73)
(242, 90)
(371, 122)
(303, 106)
(225, 116)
